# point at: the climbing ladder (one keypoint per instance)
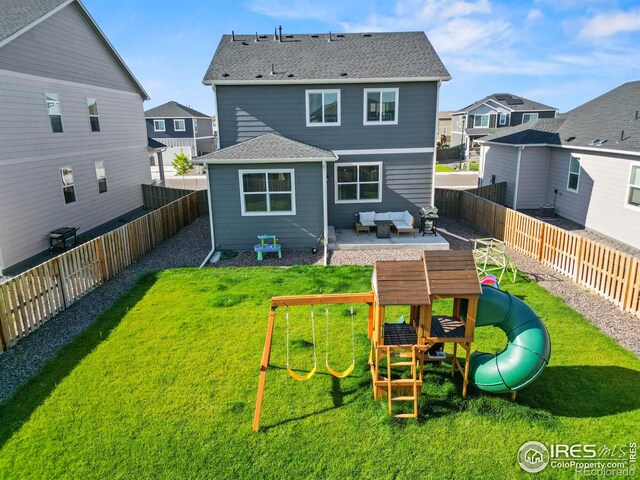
(400, 389)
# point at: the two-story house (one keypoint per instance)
(315, 128)
(73, 147)
(585, 164)
(180, 127)
(496, 111)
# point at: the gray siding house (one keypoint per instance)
(366, 104)
(496, 111)
(585, 162)
(176, 125)
(74, 147)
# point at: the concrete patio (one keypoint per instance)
(346, 239)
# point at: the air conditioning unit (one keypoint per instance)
(547, 211)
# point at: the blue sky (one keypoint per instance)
(559, 52)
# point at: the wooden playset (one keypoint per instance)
(401, 346)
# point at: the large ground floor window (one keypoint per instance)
(358, 182)
(267, 192)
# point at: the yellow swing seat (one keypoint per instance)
(344, 374)
(301, 378)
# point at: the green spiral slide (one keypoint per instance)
(528, 346)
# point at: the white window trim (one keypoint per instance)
(569, 173)
(46, 109)
(267, 171)
(380, 122)
(156, 129)
(531, 114)
(351, 164)
(482, 115)
(502, 119)
(63, 186)
(195, 125)
(96, 115)
(322, 124)
(95, 167)
(635, 208)
(184, 122)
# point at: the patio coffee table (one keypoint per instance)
(383, 228)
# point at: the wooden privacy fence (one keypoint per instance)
(33, 297)
(154, 196)
(610, 273)
(449, 202)
(453, 153)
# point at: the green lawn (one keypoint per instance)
(443, 168)
(164, 384)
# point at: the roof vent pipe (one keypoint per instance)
(637, 115)
(280, 32)
(622, 136)
(273, 72)
(256, 37)
(233, 36)
(329, 36)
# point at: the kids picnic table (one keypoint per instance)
(265, 246)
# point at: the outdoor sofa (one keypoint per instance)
(402, 222)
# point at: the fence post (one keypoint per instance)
(579, 260)
(101, 262)
(630, 287)
(541, 245)
(63, 282)
(4, 328)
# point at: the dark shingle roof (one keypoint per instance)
(604, 118)
(313, 57)
(270, 146)
(173, 110)
(154, 144)
(509, 101)
(17, 14)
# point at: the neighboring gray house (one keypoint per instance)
(73, 143)
(585, 162)
(484, 117)
(355, 117)
(177, 125)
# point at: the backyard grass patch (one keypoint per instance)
(443, 168)
(163, 386)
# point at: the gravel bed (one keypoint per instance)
(248, 258)
(188, 248)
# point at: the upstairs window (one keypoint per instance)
(267, 192)
(481, 121)
(101, 177)
(68, 187)
(380, 106)
(502, 119)
(195, 125)
(529, 117)
(323, 108)
(158, 126)
(92, 105)
(358, 182)
(179, 125)
(634, 187)
(574, 174)
(55, 114)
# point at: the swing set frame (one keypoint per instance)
(292, 301)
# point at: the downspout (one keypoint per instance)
(195, 142)
(161, 165)
(515, 191)
(213, 240)
(481, 176)
(1, 262)
(435, 149)
(325, 211)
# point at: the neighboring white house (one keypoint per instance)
(586, 163)
(72, 129)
